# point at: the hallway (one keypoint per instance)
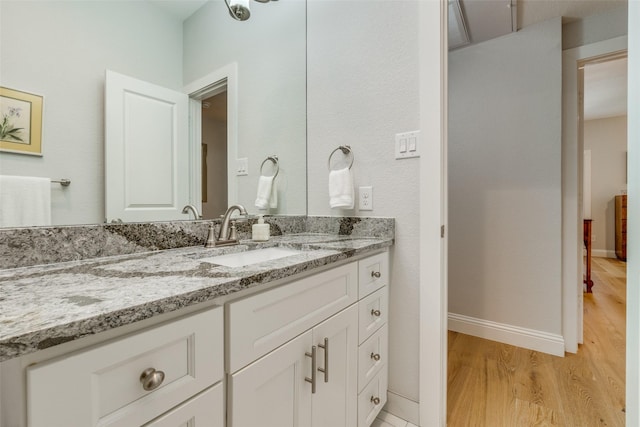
(494, 384)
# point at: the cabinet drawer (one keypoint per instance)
(372, 399)
(204, 410)
(102, 385)
(373, 273)
(372, 356)
(373, 312)
(263, 322)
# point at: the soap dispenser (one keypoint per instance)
(260, 231)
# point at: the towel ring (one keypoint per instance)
(346, 150)
(274, 160)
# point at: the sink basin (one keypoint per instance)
(241, 259)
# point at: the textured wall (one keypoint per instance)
(362, 90)
(61, 49)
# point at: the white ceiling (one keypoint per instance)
(181, 9)
(533, 11)
(605, 89)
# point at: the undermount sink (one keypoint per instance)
(256, 256)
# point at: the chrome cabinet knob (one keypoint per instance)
(375, 312)
(375, 400)
(151, 379)
(375, 274)
(375, 356)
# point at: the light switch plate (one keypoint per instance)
(408, 145)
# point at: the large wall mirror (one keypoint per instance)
(61, 50)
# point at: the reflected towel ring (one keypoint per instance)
(346, 150)
(274, 160)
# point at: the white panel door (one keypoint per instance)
(146, 151)
(272, 391)
(335, 402)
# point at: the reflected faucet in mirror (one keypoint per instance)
(227, 235)
(239, 9)
(194, 211)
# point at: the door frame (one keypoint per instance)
(633, 209)
(198, 90)
(433, 54)
(572, 182)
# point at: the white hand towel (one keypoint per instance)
(24, 201)
(267, 194)
(341, 189)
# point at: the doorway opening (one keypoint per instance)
(213, 139)
(214, 154)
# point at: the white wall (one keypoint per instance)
(607, 140)
(269, 49)
(363, 88)
(505, 186)
(60, 49)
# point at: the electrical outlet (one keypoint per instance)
(365, 198)
(242, 166)
(593, 237)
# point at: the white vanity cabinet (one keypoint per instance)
(297, 352)
(373, 314)
(311, 352)
(130, 381)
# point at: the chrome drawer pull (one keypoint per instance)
(375, 274)
(375, 312)
(312, 380)
(375, 356)
(325, 370)
(151, 379)
(375, 400)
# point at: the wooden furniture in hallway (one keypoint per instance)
(621, 227)
(586, 235)
(491, 384)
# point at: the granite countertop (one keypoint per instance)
(43, 306)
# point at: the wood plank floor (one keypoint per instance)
(493, 385)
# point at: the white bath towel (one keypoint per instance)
(24, 201)
(267, 196)
(341, 189)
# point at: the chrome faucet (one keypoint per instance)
(193, 210)
(227, 236)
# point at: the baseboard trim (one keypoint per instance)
(603, 253)
(402, 407)
(508, 334)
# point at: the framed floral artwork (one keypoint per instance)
(20, 122)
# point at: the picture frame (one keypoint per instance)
(20, 122)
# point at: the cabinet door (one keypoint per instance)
(335, 401)
(272, 391)
(204, 410)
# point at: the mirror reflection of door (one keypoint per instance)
(214, 155)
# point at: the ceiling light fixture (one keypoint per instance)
(239, 9)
